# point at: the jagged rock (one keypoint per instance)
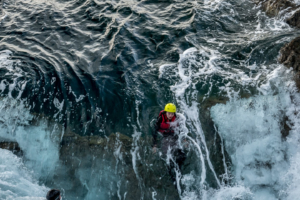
(294, 20)
(213, 100)
(12, 146)
(274, 7)
(290, 54)
(285, 127)
(290, 57)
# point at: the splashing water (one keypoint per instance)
(251, 128)
(17, 181)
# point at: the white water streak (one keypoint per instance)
(226, 176)
(186, 75)
(134, 152)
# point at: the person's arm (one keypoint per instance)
(154, 133)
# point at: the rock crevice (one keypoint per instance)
(278, 7)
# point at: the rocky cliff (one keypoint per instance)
(282, 7)
(290, 11)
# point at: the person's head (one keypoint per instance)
(170, 110)
(53, 195)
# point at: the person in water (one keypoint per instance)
(165, 125)
(53, 195)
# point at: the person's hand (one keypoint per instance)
(154, 149)
(186, 143)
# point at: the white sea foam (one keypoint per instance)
(135, 154)
(40, 144)
(16, 181)
(251, 130)
(229, 193)
(15, 72)
(263, 161)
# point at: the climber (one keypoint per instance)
(165, 125)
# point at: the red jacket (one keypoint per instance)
(162, 123)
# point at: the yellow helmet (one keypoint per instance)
(170, 108)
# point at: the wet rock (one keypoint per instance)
(272, 8)
(294, 20)
(213, 139)
(12, 146)
(211, 101)
(97, 142)
(275, 8)
(86, 160)
(285, 127)
(290, 57)
(290, 54)
(103, 162)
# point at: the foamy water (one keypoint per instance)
(17, 181)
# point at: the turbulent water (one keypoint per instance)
(81, 82)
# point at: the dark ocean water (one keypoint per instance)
(94, 68)
(105, 55)
(100, 50)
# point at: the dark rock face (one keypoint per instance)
(274, 7)
(103, 162)
(12, 146)
(290, 54)
(212, 138)
(294, 20)
(290, 57)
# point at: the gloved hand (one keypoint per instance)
(154, 149)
